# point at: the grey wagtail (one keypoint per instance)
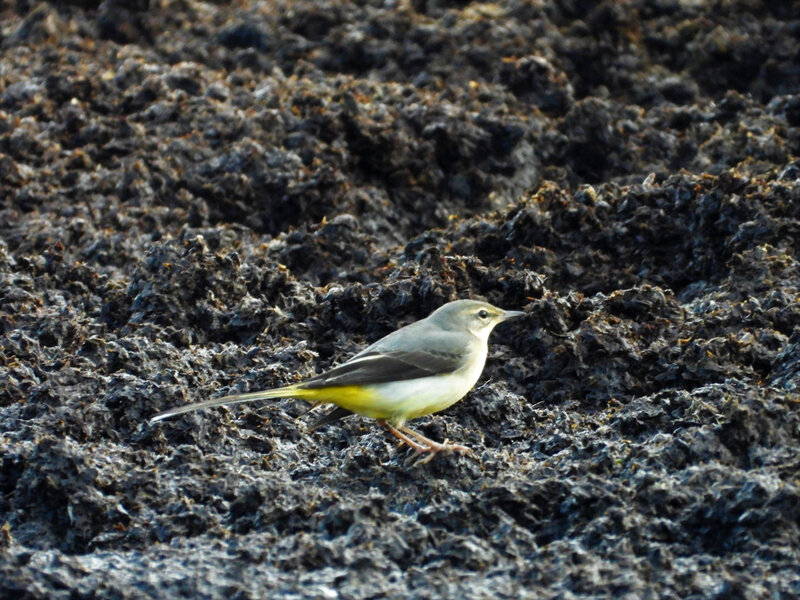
(419, 369)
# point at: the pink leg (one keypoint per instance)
(422, 444)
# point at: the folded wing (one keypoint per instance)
(382, 367)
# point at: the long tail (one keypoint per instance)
(289, 391)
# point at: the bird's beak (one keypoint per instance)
(511, 314)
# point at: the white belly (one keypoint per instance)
(400, 401)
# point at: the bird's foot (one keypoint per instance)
(432, 449)
(422, 445)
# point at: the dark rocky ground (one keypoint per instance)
(200, 198)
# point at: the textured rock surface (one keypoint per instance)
(200, 198)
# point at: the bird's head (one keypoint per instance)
(472, 316)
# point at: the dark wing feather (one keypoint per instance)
(381, 367)
(330, 417)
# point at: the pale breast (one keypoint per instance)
(400, 401)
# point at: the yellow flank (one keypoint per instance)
(359, 399)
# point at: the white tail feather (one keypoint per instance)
(284, 392)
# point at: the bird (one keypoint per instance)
(417, 370)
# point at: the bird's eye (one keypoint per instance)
(483, 314)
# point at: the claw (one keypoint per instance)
(422, 445)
